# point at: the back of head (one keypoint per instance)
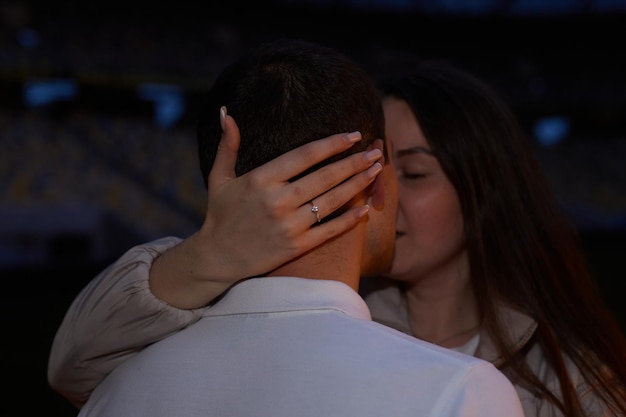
(284, 94)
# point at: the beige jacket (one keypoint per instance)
(116, 315)
(389, 307)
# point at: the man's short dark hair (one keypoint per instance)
(284, 94)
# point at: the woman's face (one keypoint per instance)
(430, 238)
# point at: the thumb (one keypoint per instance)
(227, 151)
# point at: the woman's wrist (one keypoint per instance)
(187, 275)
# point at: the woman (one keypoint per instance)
(481, 245)
(484, 264)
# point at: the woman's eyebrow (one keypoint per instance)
(414, 150)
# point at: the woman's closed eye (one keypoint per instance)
(414, 163)
(411, 175)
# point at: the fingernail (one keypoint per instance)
(223, 117)
(374, 169)
(363, 211)
(373, 155)
(353, 137)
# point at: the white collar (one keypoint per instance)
(279, 294)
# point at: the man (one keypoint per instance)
(300, 341)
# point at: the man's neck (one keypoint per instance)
(339, 260)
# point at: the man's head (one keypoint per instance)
(286, 93)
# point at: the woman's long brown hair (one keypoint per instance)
(522, 248)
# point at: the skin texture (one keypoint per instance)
(384, 200)
(430, 223)
(430, 256)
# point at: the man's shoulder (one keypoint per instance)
(413, 350)
(454, 376)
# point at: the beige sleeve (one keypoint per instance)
(110, 320)
(592, 403)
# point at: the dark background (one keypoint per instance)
(96, 122)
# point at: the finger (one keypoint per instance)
(315, 236)
(226, 158)
(318, 182)
(298, 160)
(335, 198)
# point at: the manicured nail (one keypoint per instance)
(223, 117)
(363, 211)
(353, 137)
(374, 169)
(373, 155)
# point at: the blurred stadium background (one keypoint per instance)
(98, 144)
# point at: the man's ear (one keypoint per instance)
(376, 190)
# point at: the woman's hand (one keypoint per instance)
(258, 221)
